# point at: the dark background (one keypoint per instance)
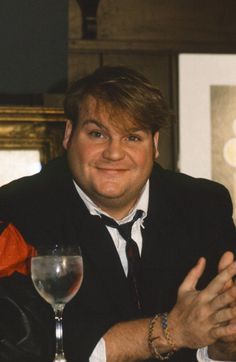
(33, 36)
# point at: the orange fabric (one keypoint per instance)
(15, 253)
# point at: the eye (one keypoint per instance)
(133, 138)
(96, 134)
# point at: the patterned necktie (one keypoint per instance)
(132, 254)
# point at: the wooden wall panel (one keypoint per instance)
(81, 64)
(176, 24)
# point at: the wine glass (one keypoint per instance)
(57, 274)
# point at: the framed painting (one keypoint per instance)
(29, 138)
(207, 118)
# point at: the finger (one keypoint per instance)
(229, 339)
(233, 304)
(190, 281)
(225, 299)
(233, 321)
(226, 259)
(216, 286)
(224, 315)
(223, 331)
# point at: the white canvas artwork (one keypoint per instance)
(207, 118)
(18, 163)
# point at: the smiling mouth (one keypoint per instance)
(112, 170)
(106, 169)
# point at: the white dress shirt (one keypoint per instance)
(99, 352)
(202, 356)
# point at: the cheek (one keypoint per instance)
(144, 157)
(84, 154)
(77, 149)
(75, 156)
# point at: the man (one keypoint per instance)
(128, 308)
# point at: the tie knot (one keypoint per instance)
(124, 229)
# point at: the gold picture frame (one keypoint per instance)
(32, 128)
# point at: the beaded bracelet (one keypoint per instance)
(165, 328)
(153, 349)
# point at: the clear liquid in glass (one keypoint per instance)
(57, 278)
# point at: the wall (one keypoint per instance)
(147, 35)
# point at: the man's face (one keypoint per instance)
(110, 164)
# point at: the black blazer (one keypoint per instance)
(187, 218)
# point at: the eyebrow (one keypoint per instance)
(137, 129)
(100, 125)
(94, 121)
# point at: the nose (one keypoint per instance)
(114, 150)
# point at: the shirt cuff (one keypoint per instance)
(202, 356)
(99, 352)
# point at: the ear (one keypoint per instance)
(155, 145)
(67, 134)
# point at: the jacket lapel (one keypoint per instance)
(99, 251)
(162, 237)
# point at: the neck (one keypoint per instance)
(115, 208)
(117, 213)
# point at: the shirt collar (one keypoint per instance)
(142, 204)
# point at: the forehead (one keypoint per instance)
(94, 109)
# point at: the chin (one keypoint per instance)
(110, 194)
(108, 188)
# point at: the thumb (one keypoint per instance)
(191, 280)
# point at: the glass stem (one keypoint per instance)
(58, 310)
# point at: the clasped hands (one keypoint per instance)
(207, 317)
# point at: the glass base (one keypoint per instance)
(59, 358)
